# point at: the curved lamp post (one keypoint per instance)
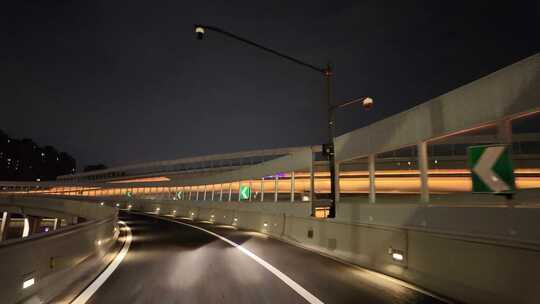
(328, 149)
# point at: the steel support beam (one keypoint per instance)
(371, 169)
(336, 182)
(292, 186)
(276, 184)
(239, 186)
(250, 190)
(221, 192)
(423, 167)
(262, 189)
(204, 193)
(504, 131)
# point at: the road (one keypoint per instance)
(173, 263)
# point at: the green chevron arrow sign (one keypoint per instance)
(245, 192)
(491, 169)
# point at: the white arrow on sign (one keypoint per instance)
(484, 171)
(245, 192)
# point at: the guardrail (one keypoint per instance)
(468, 253)
(41, 267)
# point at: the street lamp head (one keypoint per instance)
(199, 31)
(367, 103)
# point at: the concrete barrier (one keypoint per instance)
(42, 267)
(480, 254)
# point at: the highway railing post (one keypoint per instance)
(250, 190)
(371, 169)
(292, 186)
(221, 192)
(204, 193)
(423, 167)
(239, 187)
(262, 189)
(276, 184)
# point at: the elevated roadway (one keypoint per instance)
(171, 262)
(472, 248)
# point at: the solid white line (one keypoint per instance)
(283, 277)
(380, 275)
(90, 290)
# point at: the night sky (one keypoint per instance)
(120, 82)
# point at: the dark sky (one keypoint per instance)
(125, 81)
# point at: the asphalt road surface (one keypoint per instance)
(173, 263)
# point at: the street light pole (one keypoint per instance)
(330, 145)
(200, 31)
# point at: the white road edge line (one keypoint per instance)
(380, 275)
(96, 284)
(283, 277)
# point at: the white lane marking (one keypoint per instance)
(378, 274)
(90, 290)
(283, 277)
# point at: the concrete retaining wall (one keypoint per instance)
(56, 260)
(485, 265)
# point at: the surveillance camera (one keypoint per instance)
(199, 30)
(367, 103)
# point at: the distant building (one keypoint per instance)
(24, 160)
(90, 168)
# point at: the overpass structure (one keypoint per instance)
(405, 208)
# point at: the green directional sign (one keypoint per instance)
(491, 169)
(129, 194)
(245, 192)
